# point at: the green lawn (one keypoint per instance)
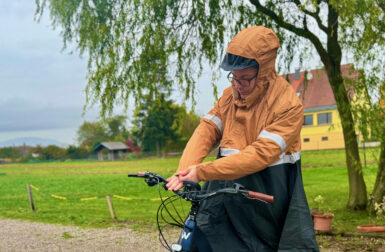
(324, 173)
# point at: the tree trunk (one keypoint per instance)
(157, 149)
(379, 187)
(357, 188)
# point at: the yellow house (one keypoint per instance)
(322, 129)
(322, 125)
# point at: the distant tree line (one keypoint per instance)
(39, 153)
(158, 126)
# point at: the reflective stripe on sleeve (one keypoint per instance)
(225, 152)
(288, 159)
(215, 120)
(276, 138)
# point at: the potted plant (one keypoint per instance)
(322, 219)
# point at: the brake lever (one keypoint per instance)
(151, 181)
(237, 187)
(149, 177)
(189, 185)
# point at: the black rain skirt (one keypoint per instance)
(234, 223)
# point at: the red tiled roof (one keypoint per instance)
(317, 92)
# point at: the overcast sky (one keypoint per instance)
(42, 87)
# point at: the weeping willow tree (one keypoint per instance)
(138, 47)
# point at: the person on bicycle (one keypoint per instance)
(257, 121)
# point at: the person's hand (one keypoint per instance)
(189, 174)
(175, 182)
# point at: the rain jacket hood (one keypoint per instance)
(261, 44)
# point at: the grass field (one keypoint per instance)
(324, 173)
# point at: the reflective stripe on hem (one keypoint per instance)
(225, 152)
(215, 120)
(276, 138)
(288, 159)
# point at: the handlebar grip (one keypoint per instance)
(141, 174)
(261, 196)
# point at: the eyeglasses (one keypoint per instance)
(241, 82)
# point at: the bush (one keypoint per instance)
(53, 152)
(10, 153)
(74, 152)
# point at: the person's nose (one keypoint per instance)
(238, 85)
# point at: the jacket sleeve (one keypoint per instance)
(205, 136)
(268, 148)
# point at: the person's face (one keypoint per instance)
(244, 80)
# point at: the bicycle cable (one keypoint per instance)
(163, 205)
(163, 202)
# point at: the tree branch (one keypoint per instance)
(305, 33)
(312, 14)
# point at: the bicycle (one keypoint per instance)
(191, 192)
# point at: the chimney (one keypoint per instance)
(297, 74)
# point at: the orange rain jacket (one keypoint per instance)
(259, 131)
(259, 149)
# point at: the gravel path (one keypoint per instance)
(16, 235)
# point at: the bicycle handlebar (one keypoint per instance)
(148, 175)
(196, 195)
(261, 196)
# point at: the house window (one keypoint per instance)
(325, 118)
(306, 140)
(308, 120)
(325, 138)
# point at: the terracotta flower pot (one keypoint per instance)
(322, 221)
(371, 228)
